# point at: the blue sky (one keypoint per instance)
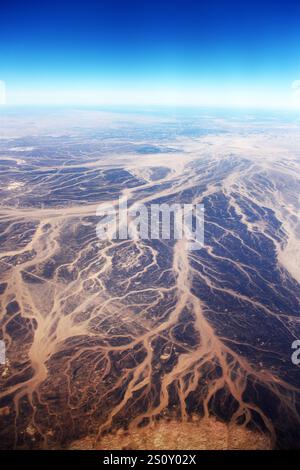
(218, 53)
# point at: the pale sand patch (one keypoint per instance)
(200, 434)
(22, 149)
(15, 185)
(289, 257)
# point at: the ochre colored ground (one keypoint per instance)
(202, 434)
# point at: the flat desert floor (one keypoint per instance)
(139, 343)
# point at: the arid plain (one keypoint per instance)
(115, 343)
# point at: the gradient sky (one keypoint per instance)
(218, 53)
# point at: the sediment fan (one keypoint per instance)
(107, 336)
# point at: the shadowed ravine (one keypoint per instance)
(103, 336)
